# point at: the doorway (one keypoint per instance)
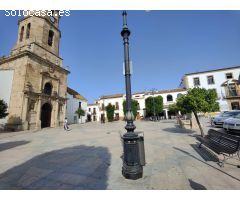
(89, 118)
(117, 116)
(235, 106)
(46, 115)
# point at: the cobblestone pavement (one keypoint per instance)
(89, 157)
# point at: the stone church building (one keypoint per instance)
(38, 89)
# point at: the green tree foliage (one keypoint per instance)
(134, 105)
(110, 112)
(3, 109)
(80, 112)
(211, 98)
(198, 100)
(154, 103)
(173, 108)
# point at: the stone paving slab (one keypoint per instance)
(89, 157)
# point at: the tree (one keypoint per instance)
(110, 112)
(134, 106)
(173, 108)
(3, 109)
(154, 104)
(80, 112)
(198, 100)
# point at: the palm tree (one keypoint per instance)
(80, 113)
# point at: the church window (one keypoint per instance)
(50, 37)
(21, 34)
(48, 89)
(28, 30)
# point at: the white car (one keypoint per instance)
(218, 120)
(232, 124)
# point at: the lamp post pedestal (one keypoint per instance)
(132, 168)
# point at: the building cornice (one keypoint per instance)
(35, 43)
(143, 93)
(94, 104)
(214, 70)
(31, 54)
(37, 94)
(112, 96)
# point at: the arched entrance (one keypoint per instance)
(46, 115)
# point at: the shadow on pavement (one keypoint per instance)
(196, 186)
(9, 145)
(185, 152)
(178, 130)
(205, 153)
(80, 167)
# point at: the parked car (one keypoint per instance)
(219, 120)
(212, 116)
(232, 124)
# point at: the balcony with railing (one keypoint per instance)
(232, 92)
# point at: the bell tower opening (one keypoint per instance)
(28, 31)
(21, 34)
(50, 37)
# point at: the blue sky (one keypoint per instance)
(164, 45)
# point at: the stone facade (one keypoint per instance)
(38, 95)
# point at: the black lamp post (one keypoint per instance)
(133, 148)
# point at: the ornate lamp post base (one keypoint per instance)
(132, 166)
(132, 172)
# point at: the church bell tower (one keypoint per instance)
(41, 30)
(39, 86)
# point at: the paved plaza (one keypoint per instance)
(89, 157)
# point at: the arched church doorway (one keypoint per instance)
(46, 115)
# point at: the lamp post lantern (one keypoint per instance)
(133, 147)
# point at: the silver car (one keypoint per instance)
(232, 124)
(219, 120)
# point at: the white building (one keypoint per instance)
(169, 97)
(97, 111)
(6, 78)
(217, 79)
(116, 100)
(93, 112)
(75, 101)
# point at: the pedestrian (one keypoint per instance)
(66, 128)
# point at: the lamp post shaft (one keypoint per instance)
(129, 115)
